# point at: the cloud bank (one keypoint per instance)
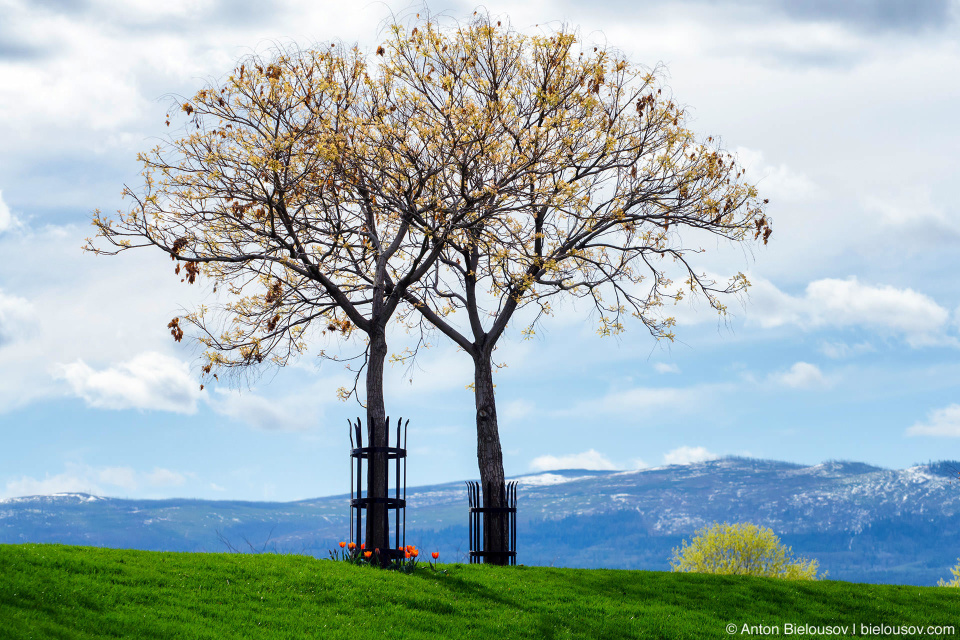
(943, 422)
(148, 381)
(592, 460)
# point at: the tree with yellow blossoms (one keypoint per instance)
(591, 187)
(311, 189)
(456, 172)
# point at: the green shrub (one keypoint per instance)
(741, 549)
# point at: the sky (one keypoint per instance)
(847, 345)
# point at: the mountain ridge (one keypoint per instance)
(862, 522)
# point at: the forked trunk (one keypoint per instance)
(490, 459)
(378, 530)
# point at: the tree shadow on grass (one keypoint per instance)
(468, 588)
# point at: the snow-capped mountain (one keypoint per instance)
(862, 523)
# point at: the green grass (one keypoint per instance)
(54, 591)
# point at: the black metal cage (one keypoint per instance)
(479, 544)
(360, 501)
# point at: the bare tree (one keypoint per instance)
(308, 189)
(588, 182)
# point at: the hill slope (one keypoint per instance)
(81, 592)
(862, 523)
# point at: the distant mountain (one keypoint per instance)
(863, 523)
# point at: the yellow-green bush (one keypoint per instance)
(742, 549)
(956, 577)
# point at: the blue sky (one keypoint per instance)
(845, 348)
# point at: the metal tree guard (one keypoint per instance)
(477, 532)
(359, 502)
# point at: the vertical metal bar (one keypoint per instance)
(472, 532)
(360, 535)
(513, 528)
(470, 521)
(473, 523)
(506, 527)
(396, 515)
(350, 434)
(386, 480)
(479, 524)
(472, 547)
(476, 520)
(485, 489)
(405, 425)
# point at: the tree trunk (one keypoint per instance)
(378, 530)
(490, 458)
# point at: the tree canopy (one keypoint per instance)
(312, 192)
(741, 549)
(463, 168)
(591, 186)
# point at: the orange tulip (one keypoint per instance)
(363, 544)
(352, 546)
(343, 544)
(414, 553)
(367, 554)
(435, 554)
(406, 554)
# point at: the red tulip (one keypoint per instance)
(367, 554)
(363, 544)
(435, 554)
(352, 546)
(343, 544)
(414, 553)
(406, 554)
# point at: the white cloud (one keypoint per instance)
(640, 399)
(105, 63)
(663, 367)
(831, 302)
(82, 308)
(161, 477)
(516, 410)
(848, 302)
(940, 422)
(123, 477)
(7, 219)
(688, 455)
(912, 211)
(61, 483)
(81, 478)
(148, 381)
(18, 318)
(776, 182)
(587, 460)
(838, 350)
(288, 413)
(802, 375)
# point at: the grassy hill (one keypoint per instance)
(863, 524)
(55, 591)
